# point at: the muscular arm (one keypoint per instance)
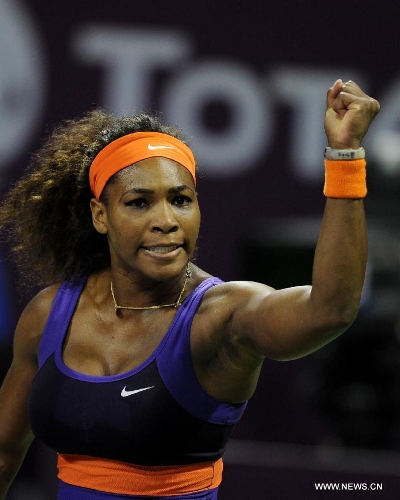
(15, 433)
(290, 323)
(286, 324)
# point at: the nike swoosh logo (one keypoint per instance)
(152, 148)
(125, 393)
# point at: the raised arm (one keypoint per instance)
(341, 253)
(286, 324)
(15, 433)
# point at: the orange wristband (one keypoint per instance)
(345, 179)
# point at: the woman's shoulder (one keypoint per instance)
(40, 304)
(33, 319)
(235, 293)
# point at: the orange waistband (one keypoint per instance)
(125, 479)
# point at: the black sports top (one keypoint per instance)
(156, 414)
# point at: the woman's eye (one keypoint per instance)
(182, 200)
(138, 203)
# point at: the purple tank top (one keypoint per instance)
(155, 414)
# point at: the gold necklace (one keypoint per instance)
(175, 304)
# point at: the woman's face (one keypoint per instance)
(151, 218)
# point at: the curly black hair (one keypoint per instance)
(45, 218)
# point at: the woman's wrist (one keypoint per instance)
(345, 173)
(344, 154)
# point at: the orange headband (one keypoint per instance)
(135, 147)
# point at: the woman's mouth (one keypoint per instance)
(163, 250)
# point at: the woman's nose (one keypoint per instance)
(164, 219)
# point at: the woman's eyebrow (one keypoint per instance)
(175, 189)
(180, 188)
(139, 191)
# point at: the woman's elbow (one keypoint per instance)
(341, 318)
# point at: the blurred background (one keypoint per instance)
(247, 82)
